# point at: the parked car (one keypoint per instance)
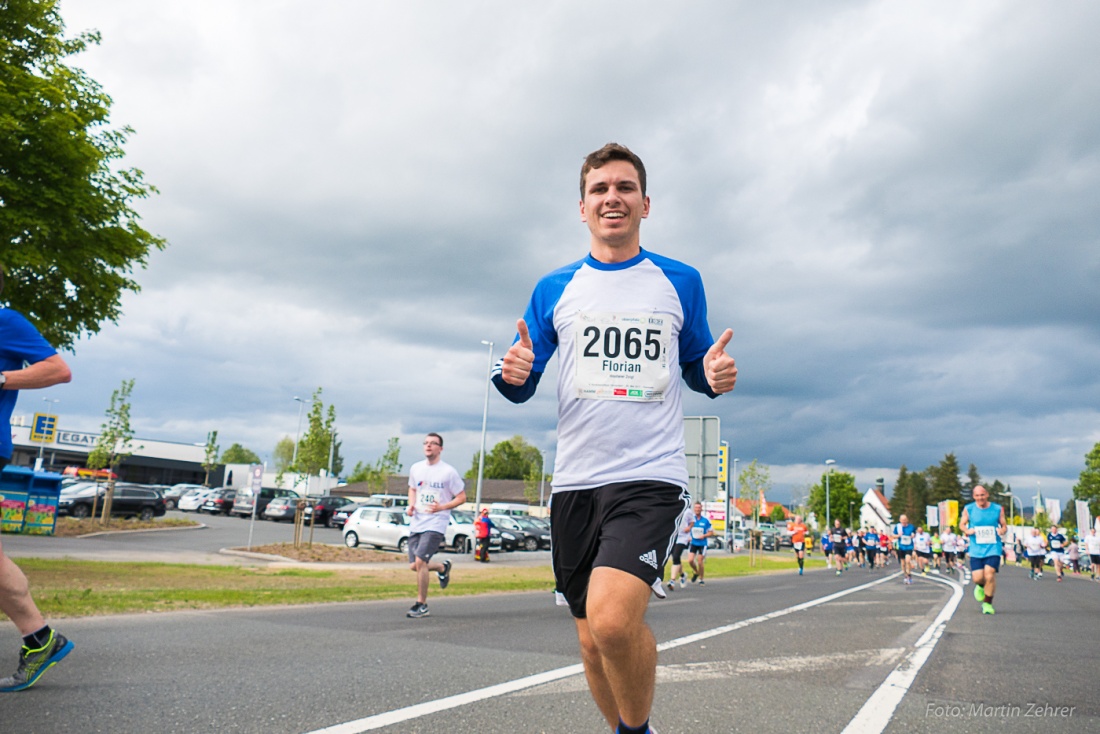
(172, 494)
(388, 500)
(528, 537)
(341, 514)
(246, 499)
(129, 501)
(192, 499)
(219, 502)
(381, 527)
(321, 509)
(281, 508)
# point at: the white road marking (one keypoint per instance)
(397, 716)
(726, 669)
(877, 711)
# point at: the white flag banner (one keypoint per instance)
(1054, 509)
(932, 515)
(1084, 517)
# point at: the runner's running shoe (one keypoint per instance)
(694, 577)
(33, 663)
(979, 593)
(987, 608)
(445, 575)
(418, 610)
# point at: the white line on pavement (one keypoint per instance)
(880, 707)
(397, 716)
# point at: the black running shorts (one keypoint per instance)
(678, 553)
(630, 526)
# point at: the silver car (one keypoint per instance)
(381, 527)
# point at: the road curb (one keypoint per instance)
(200, 526)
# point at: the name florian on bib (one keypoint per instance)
(610, 366)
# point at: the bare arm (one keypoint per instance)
(48, 372)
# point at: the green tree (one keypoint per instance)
(842, 490)
(510, 459)
(945, 484)
(283, 454)
(237, 454)
(69, 236)
(777, 515)
(534, 479)
(377, 475)
(1087, 488)
(210, 459)
(754, 482)
(115, 441)
(910, 495)
(319, 443)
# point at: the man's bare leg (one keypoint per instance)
(617, 647)
(422, 569)
(15, 598)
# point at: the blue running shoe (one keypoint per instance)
(33, 663)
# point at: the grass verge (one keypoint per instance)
(71, 588)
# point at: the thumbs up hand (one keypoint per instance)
(516, 366)
(719, 367)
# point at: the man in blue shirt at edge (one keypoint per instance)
(610, 410)
(27, 361)
(984, 524)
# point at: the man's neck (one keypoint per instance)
(611, 253)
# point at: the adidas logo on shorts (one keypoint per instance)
(650, 558)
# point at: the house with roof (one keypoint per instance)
(875, 510)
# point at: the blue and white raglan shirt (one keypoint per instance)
(20, 343)
(621, 330)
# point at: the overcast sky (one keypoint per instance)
(894, 206)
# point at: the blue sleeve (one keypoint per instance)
(20, 342)
(539, 317)
(696, 377)
(695, 336)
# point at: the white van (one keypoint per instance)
(505, 508)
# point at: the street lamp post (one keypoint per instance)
(42, 445)
(542, 475)
(298, 435)
(736, 489)
(484, 426)
(828, 519)
(851, 506)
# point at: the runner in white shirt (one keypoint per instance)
(950, 549)
(1092, 548)
(683, 539)
(435, 488)
(922, 544)
(1036, 547)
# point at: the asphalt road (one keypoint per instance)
(780, 653)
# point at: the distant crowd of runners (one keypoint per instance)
(922, 551)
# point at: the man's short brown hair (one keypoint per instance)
(612, 152)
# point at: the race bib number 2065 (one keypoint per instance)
(622, 356)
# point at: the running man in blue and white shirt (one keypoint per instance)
(701, 529)
(435, 488)
(984, 523)
(623, 321)
(903, 534)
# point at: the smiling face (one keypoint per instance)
(613, 207)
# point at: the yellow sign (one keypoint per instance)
(723, 463)
(44, 427)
